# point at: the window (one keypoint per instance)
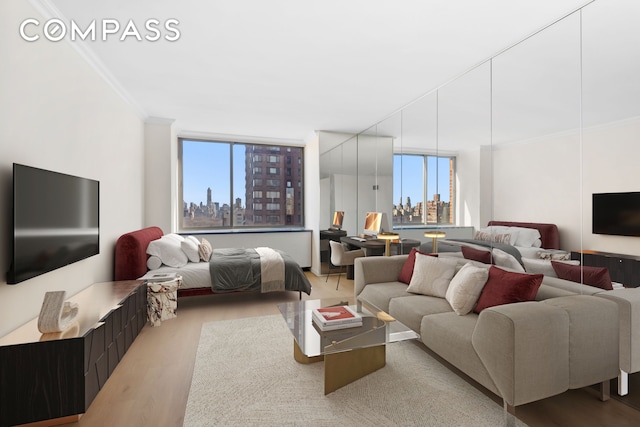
(221, 186)
(417, 178)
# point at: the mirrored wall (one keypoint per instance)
(528, 136)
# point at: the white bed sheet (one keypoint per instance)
(194, 274)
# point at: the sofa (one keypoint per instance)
(565, 338)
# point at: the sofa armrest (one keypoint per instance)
(376, 269)
(594, 336)
(524, 347)
(628, 301)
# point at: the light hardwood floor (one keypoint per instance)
(151, 384)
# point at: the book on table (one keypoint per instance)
(338, 317)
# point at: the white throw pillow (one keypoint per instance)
(543, 266)
(527, 237)
(190, 249)
(503, 259)
(205, 250)
(465, 288)
(153, 262)
(169, 251)
(431, 275)
(174, 236)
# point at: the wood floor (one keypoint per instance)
(151, 384)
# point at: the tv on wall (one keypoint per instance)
(55, 221)
(616, 213)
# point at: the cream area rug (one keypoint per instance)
(245, 375)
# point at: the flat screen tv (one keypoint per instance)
(55, 221)
(616, 213)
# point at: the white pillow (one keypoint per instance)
(168, 250)
(527, 237)
(543, 266)
(498, 231)
(190, 249)
(153, 262)
(465, 288)
(174, 236)
(431, 275)
(503, 259)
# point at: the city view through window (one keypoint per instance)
(417, 178)
(235, 185)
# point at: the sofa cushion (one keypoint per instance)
(476, 254)
(379, 294)
(503, 259)
(407, 269)
(410, 309)
(543, 266)
(465, 288)
(431, 276)
(450, 336)
(593, 276)
(505, 287)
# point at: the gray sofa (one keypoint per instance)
(568, 338)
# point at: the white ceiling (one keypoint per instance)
(283, 68)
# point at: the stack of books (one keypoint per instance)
(338, 317)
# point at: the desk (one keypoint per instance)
(375, 247)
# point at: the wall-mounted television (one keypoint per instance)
(55, 221)
(616, 213)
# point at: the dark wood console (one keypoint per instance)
(623, 269)
(49, 376)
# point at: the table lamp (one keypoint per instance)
(435, 235)
(388, 237)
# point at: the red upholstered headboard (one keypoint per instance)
(549, 233)
(131, 253)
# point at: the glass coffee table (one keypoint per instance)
(349, 354)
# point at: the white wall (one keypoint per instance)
(552, 179)
(57, 113)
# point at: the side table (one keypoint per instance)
(162, 300)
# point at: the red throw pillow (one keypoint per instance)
(477, 255)
(505, 287)
(407, 269)
(592, 276)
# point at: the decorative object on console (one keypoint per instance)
(55, 314)
(435, 235)
(388, 237)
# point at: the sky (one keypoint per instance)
(409, 168)
(207, 165)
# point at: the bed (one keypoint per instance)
(227, 270)
(541, 239)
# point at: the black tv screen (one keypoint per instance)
(55, 221)
(616, 213)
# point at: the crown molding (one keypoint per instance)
(48, 11)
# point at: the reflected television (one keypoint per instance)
(55, 221)
(616, 213)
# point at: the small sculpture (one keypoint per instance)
(55, 314)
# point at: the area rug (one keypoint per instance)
(245, 375)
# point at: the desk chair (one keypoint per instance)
(340, 257)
